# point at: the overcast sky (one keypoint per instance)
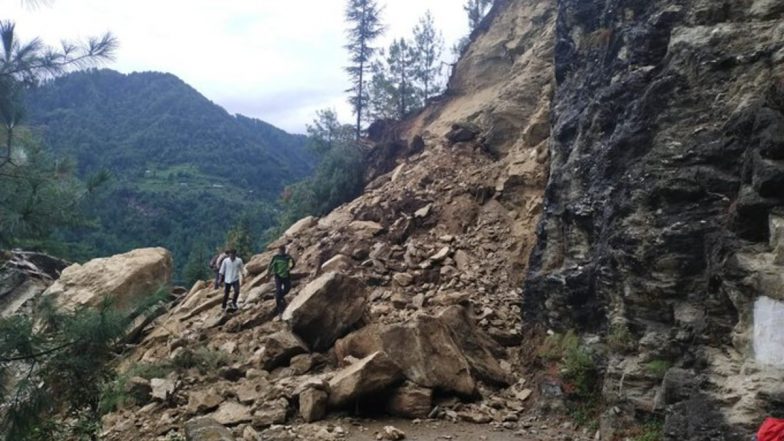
(279, 61)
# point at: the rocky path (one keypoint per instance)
(442, 430)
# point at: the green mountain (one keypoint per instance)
(184, 171)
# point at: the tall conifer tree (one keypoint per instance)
(364, 18)
(429, 45)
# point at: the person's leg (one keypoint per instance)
(236, 294)
(226, 288)
(278, 295)
(284, 289)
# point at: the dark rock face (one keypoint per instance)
(24, 276)
(667, 174)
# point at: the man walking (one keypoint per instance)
(280, 267)
(230, 271)
(215, 265)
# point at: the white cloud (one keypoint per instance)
(277, 61)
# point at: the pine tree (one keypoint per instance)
(36, 194)
(26, 63)
(197, 267)
(429, 45)
(476, 10)
(326, 132)
(401, 63)
(382, 103)
(240, 238)
(64, 357)
(393, 91)
(364, 17)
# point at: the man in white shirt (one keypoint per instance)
(230, 271)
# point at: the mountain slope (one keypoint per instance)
(182, 167)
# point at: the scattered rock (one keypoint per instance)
(423, 212)
(299, 226)
(340, 263)
(206, 429)
(366, 229)
(442, 254)
(313, 404)
(162, 389)
(403, 279)
(204, 401)
(231, 413)
(392, 433)
(270, 412)
(250, 434)
(139, 389)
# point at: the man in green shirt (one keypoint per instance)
(280, 267)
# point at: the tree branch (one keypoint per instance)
(35, 356)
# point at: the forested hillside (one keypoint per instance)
(183, 170)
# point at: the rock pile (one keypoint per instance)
(406, 300)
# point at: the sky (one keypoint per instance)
(278, 61)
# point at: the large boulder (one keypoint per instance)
(478, 348)
(279, 348)
(373, 374)
(206, 429)
(423, 348)
(326, 309)
(124, 279)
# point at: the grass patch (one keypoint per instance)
(651, 431)
(658, 368)
(620, 338)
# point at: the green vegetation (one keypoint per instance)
(183, 171)
(579, 375)
(658, 368)
(338, 178)
(555, 346)
(65, 358)
(364, 19)
(651, 431)
(620, 338)
(37, 194)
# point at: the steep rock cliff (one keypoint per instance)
(662, 216)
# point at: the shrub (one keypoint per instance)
(620, 338)
(580, 370)
(555, 346)
(204, 359)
